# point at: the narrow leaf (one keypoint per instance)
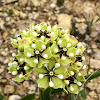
(47, 93)
(92, 76)
(41, 94)
(82, 94)
(72, 96)
(29, 97)
(1, 97)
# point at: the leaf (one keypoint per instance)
(72, 96)
(97, 20)
(93, 75)
(41, 93)
(82, 94)
(56, 91)
(45, 94)
(29, 97)
(1, 97)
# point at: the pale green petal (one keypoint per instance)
(64, 42)
(80, 78)
(28, 49)
(44, 82)
(75, 89)
(51, 63)
(60, 70)
(41, 70)
(66, 62)
(48, 52)
(58, 83)
(42, 61)
(30, 62)
(17, 79)
(39, 44)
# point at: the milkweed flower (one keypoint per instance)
(49, 50)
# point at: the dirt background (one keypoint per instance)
(78, 15)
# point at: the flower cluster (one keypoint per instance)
(53, 53)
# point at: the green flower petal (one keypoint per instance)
(72, 69)
(64, 42)
(41, 70)
(28, 49)
(60, 70)
(72, 40)
(71, 50)
(80, 78)
(24, 33)
(75, 89)
(53, 47)
(27, 74)
(42, 61)
(30, 62)
(48, 52)
(14, 43)
(17, 79)
(44, 82)
(13, 68)
(58, 83)
(66, 62)
(20, 56)
(51, 63)
(39, 44)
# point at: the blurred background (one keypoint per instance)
(82, 17)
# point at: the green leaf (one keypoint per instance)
(72, 96)
(93, 75)
(56, 91)
(29, 97)
(45, 94)
(82, 94)
(1, 97)
(41, 94)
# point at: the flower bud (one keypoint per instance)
(83, 58)
(79, 83)
(36, 61)
(84, 66)
(78, 64)
(43, 47)
(13, 54)
(21, 59)
(71, 54)
(42, 38)
(21, 76)
(66, 81)
(33, 46)
(48, 28)
(45, 56)
(60, 76)
(14, 63)
(34, 34)
(59, 42)
(57, 65)
(26, 67)
(79, 74)
(51, 84)
(68, 45)
(41, 75)
(63, 58)
(55, 50)
(10, 64)
(52, 33)
(71, 72)
(14, 72)
(71, 88)
(29, 55)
